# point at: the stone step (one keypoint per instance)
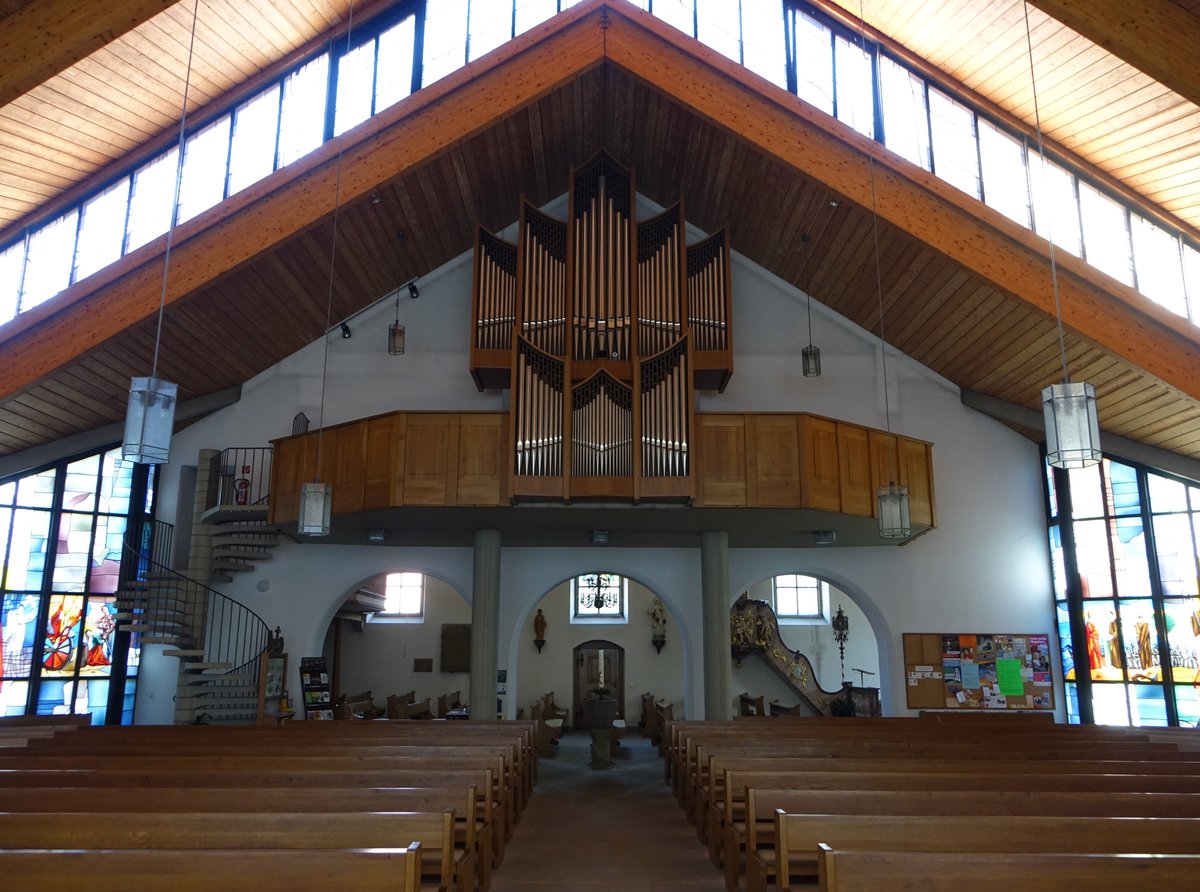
(223, 514)
(199, 666)
(183, 653)
(194, 680)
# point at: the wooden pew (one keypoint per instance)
(798, 836)
(870, 871)
(203, 870)
(450, 868)
(472, 833)
(281, 777)
(754, 831)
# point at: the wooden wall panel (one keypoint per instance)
(349, 444)
(854, 471)
(772, 461)
(287, 463)
(885, 462)
(820, 480)
(379, 460)
(430, 467)
(916, 472)
(481, 459)
(722, 460)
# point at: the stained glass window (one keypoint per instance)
(598, 596)
(1140, 613)
(62, 536)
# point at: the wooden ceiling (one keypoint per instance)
(966, 293)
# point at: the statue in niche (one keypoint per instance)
(658, 618)
(539, 630)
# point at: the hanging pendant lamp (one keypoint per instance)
(150, 413)
(1069, 408)
(316, 497)
(891, 501)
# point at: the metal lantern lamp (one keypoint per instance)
(149, 420)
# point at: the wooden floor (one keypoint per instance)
(619, 829)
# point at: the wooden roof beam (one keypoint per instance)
(1155, 36)
(1109, 314)
(45, 37)
(296, 198)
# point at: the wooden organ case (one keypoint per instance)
(603, 326)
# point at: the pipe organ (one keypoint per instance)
(603, 327)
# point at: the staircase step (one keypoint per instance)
(247, 529)
(232, 566)
(183, 653)
(148, 638)
(238, 552)
(234, 514)
(201, 667)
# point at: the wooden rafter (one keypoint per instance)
(46, 36)
(1155, 36)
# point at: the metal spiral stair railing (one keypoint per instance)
(218, 640)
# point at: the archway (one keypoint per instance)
(401, 632)
(805, 604)
(626, 627)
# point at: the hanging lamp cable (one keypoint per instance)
(337, 202)
(1037, 121)
(187, 82)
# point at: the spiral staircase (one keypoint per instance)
(217, 640)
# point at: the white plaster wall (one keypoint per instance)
(379, 657)
(985, 568)
(553, 670)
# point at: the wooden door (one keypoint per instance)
(598, 664)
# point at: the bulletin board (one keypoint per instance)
(977, 671)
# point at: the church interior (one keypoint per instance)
(625, 377)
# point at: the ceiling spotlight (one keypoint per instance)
(345, 330)
(412, 290)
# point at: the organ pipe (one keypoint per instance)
(588, 308)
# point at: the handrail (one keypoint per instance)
(240, 476)
(198, 617)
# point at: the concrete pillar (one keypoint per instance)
(485, 602)
(714, 590)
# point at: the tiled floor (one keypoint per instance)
(619, 829)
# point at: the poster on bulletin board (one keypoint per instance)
(978, 671)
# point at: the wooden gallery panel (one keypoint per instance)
(854, 471)
(722, 460)
(480, 459)
(773, 459)
(820, 485)
(430, 471)
(384, 443)
(349, 442)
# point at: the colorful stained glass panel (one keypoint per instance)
(14, 695)
(1092, 556)
(99, 632)
(61, 642)
(1176, 554)
(1105, 652)
(18, 634)
(79, 489)
(27, 550)
(1140, 639)
(1182, 617)
(73, 557)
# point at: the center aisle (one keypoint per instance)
(619, 829)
